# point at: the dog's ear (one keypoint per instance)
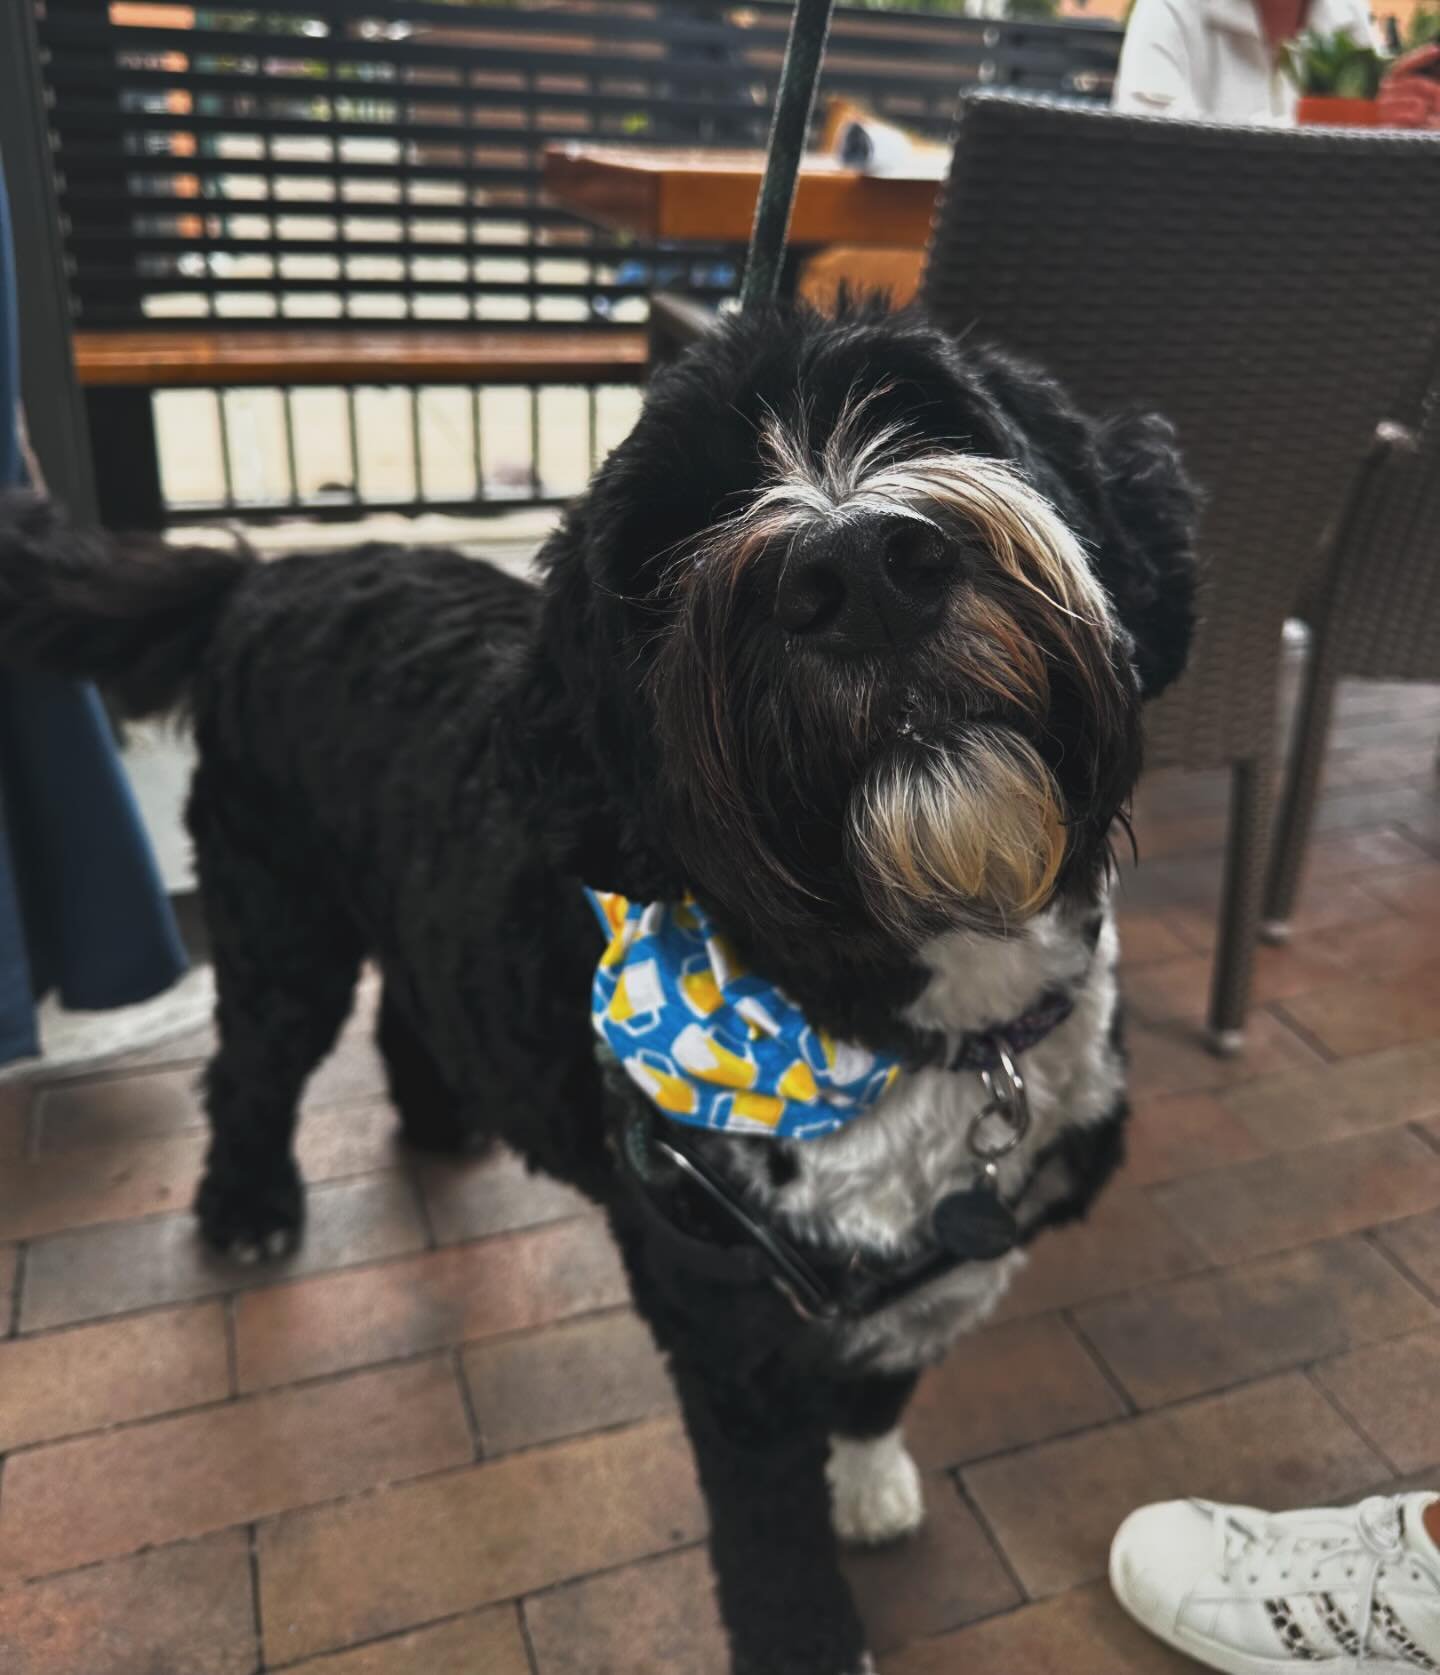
(1146, 556)
(1123, 486)
(568, 742)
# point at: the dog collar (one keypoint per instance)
(715, 1046)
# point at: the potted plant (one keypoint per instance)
(1337, 76)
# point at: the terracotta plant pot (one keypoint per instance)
(1321, 110)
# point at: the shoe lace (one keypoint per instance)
(1254, 1544)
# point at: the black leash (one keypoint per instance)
(789, 126)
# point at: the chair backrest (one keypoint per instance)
(1269, 289)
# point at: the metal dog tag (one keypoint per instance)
(976, 1224)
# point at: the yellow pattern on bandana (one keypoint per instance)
(711, 1043)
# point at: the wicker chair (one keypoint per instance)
(1375, 616)
(1260, 286)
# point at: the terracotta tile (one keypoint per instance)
(1308, 1107)
(1250, 1209)
(1167, 881)
(1081, 1633)
(348, 1139)
(1184, 1134)
(1010, 1385)
(1345, 903)
(659, 1617)
(1168, 1056)
(1334, 855)
(1359, 766)
(51, 1195)
(1195, 1335)
(582, 1376)
(489, 1643)
(491, 1195)
(444, 1297)
(1416, 1243)
(132, 1265)
(1167, 791)
(1148, 936)
(91, 1376)
(1181, 988)
(367, 1567)
(335, 1140)
(1125, 1242)
(8, 1260)
(1368, 1014)
(1414, 891)
(14, 1119)
(946, 1575)
(112, 1110)
(186, 1608)
(1389, 1392)
(1055, 1508)
(1385, 947)
(1180, 834)
(114, 1493)
(353, 1071)
(1170, 988)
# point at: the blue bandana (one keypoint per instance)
(712, 1044)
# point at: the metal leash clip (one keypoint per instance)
(1004, 1120)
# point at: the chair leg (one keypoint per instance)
(1251, 797)
(1297, 800)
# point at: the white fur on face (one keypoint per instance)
(935, 832)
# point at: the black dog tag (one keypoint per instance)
(976, 1225)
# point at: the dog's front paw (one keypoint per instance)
(875, 1491)
(250, 1216)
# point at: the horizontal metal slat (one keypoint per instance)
(89, 243)
(106, 162)
(110, 281)
(87, 205)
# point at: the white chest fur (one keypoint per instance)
(874, 1185)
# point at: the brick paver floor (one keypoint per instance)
(437, 1442)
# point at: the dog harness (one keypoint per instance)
(714, 1046)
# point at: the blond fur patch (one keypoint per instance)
(960, 830)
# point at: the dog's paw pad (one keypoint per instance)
(875, 1491)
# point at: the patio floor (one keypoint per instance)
(437, 1443)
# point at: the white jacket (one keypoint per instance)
(1210, 59)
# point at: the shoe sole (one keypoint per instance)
(1243, 1663)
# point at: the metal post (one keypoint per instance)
(54, 405)
(794, 100)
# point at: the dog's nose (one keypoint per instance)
(872, 582)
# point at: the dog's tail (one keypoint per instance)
(133, 616)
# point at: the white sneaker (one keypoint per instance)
(1356, 1589)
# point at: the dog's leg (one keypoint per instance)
(761, 1459)
(874, 1484)
(431, 1115)
(285, 971)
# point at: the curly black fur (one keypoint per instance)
(408, 757)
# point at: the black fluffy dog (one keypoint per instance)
(848, 640)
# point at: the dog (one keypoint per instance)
(835, 675)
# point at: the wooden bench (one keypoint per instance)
(119, 369)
